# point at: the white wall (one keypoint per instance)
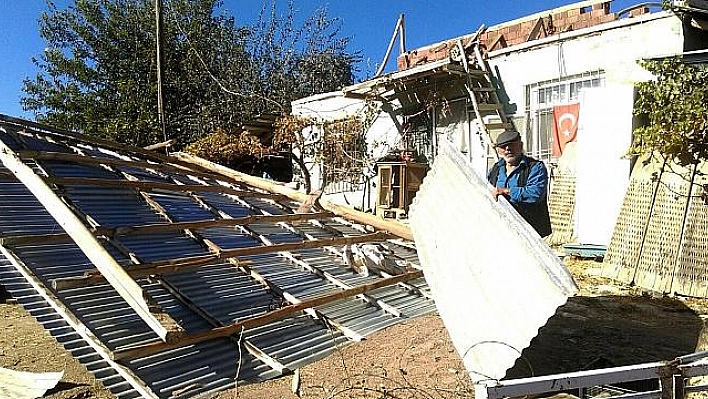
(613, 47)
(602, 170)
(381, 137)
(615, 51)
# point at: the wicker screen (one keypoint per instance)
(660, 241)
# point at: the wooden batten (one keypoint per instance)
(56, 238)
(392, 227)
(195, 262)
(151, 185)
(159, 146)
(127, 288)
(220, 332)
(92, 160)
(205, 224)
(29, 239)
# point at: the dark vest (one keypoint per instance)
(536, 214)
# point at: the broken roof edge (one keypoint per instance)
(581, 18)
(426, 69)
(395, 228)
(37, 127)
(540, 14)
(318, 97)
(619, 23)
(527, 18)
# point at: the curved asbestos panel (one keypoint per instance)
(494, 281)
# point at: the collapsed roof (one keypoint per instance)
(168, 278)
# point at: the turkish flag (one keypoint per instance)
(565, 126)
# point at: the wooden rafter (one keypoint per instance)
(334, 279)
(195, 262)
(498, 41)
(184, 298)
(125, 286)
(394, 228)
(30, 239)
(341, 284)
(76, 324)
(152, 185)
(271, 285)
(146, 350)
(538, 31)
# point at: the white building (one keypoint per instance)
(581, 59)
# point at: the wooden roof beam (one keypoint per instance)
(151, 185)
(195, 262)
(394, 228)
(220, 332)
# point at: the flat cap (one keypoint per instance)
(508, 136)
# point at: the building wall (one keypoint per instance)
(610, 47)
(615, 50)
(611, 53)
(381, 137)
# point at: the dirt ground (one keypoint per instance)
(607, 325)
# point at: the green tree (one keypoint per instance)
(673, 110)
(296, 62)
(98, 72)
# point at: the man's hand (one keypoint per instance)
(497, 191)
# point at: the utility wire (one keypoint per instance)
(208, 71)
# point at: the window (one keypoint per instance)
(542, 97)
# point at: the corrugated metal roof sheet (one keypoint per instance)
(131, 200)
(494, 279)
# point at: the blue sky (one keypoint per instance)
(370, 23)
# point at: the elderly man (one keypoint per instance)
(522, 180)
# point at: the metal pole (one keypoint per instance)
(402, 33)
(158, 40)
(396, 32)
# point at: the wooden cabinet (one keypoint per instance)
(398, 183)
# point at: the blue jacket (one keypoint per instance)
(530, 197)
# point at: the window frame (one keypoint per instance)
(542, 97)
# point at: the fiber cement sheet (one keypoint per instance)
(25, 385)
(494, 281)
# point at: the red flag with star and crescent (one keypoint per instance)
(565, 126)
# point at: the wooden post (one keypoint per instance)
(160, 72)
